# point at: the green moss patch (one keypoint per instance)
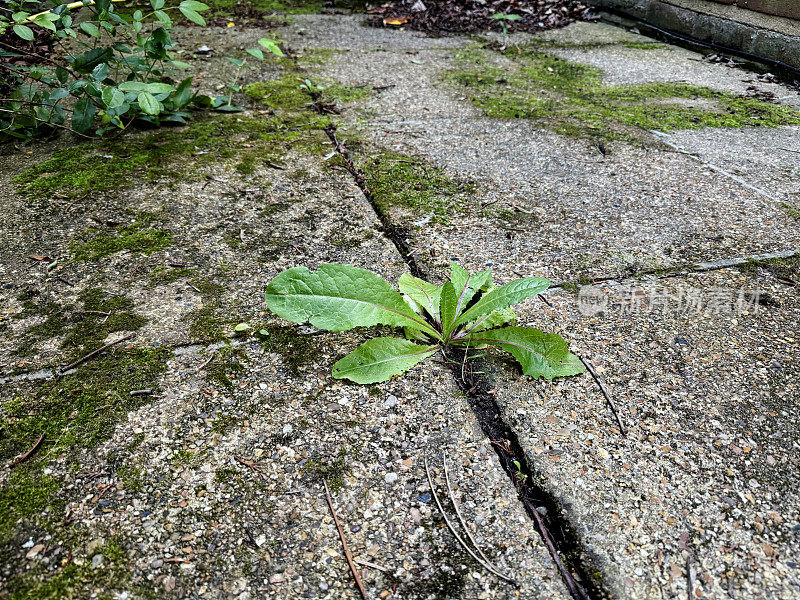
(177, 154)
(792, 211)
(394, 179)
(570, 98)
(295, 349)
(332, 471)
(79, 410)
(165, 275)
(785, 269)
(84, 326)
(78, 581)
(137, 237)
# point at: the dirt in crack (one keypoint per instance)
(559, 536)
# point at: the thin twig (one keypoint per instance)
(105, 489)
(370, 565)
(205, 364)
(690, 574)
(94, 353)
(250, 465)
(606, 393)
(452, 529)
(789, 150)
(29, 453)
(458, 512)
(347, 554)
(576, 591)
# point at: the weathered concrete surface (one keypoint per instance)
(703, 488)
(211, 487)
(558, 207)
(706, 381)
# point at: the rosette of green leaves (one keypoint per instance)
(467, 311)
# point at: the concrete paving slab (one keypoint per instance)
(632, 58)
(705, 379)
(187, 462)
(555, 206)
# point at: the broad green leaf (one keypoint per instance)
(449, 303)
(90, 29)
(132, 86)
(83, 114)
(380, 359)
(157, 4)
(112, 97)
(540, 354)
(159, 88)
(194, 5)
(466, 285)
(414, 334)
(192, 15)
(162, 17)
(503, 297)
(492, 320)
(148, 103)
(340, 297)
(26, 33)
(86, 62)
(271, 46)
(183, 93)
(100, 72)
(255, 52)
(235, 61)
(46, 20)
(426, 295)
(20, 16)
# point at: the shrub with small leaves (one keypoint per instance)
(117, 69)
(466, 312)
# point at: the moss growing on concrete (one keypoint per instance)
(162, 275)
(295, 349)
(85, 326)
(792, 211)
(785, 269)
(571, 99)
(340, 93)
(177, 153)
(80, 580)
(77, 411)
(101, 315)
(332, 471)
(82, 408)
(138, 236)
(394, 179)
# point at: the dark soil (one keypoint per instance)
(476, 15)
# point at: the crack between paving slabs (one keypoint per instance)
(698, 267)
(542, 508)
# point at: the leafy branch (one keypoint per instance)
(467, 311)
(123, 71)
